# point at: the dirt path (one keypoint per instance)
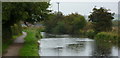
(13, 49)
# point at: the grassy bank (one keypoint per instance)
(30, 47)
(108, 37)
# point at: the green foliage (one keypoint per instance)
(88, 26)
(30, 47)
(87, 33)
(38, 32)
(14, 12)
(42, 29)
(90, 33)
(75, 22)
(60, 24)
(9, 32)
(52, 21)
(59, 28)
(107, 37)
(82, 33)
(30, 12)
(102, 19)
(16, 29)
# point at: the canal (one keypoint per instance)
(65, 45)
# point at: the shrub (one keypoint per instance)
(16, 29)
(107, 37)
(59, 29)
(90, 33)
(82, 33)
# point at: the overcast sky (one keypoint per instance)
(83, 7)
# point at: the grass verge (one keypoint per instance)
(30, 47)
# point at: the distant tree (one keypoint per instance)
(75, 22)
(102, 19)
(60, 28)
(52, 21)
(61, 24)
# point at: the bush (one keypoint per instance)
(90, 33)
(16, 29)
(59, 29)
(107, 37)
(82, 33)
(61, 24)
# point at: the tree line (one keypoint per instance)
(100, 20)
(57, 23)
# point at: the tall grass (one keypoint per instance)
(30, 47)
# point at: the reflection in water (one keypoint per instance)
(102, 49)
(65, 47)
(76, 47)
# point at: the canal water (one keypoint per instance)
(64, 45)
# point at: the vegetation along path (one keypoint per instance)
(13, 49)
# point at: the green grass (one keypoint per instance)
(30, 47)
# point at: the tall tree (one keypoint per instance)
(102, 19)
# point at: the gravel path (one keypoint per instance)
(13, 49)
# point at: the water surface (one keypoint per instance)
(68, 46)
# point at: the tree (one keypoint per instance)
(102, 19)
(60, 28)
(14, 12)
(75, 22)
(52, 21)
(37, 11)
(61, 24)
(30, 12)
